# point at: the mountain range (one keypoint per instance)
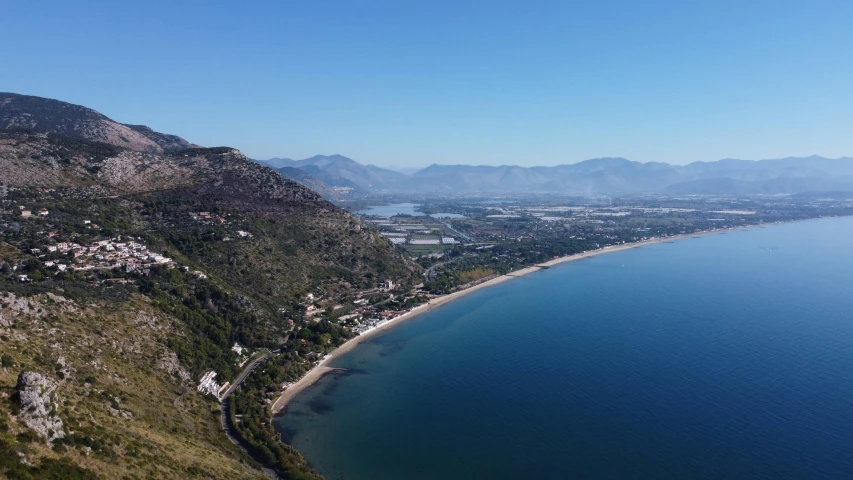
(322, 173)
(596, 176)
(340, 171)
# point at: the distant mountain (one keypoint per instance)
(619, 175)
(306, 179)
(340, 171)
(590, 176)
(48, 115)
(594, 176)
(779, 185)
(327, 177)
(406, 170)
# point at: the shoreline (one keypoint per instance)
(321, 368)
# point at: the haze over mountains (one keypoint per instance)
(322, 173)
(595, 176)
(340, 171)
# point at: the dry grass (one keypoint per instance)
(113, 359)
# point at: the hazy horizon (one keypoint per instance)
(411, 169)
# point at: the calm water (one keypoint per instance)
(727, 356)
(393, 209)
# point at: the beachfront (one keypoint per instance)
(322, 368)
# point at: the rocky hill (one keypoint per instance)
(306, 179)
(89, 390)
(128, 275)
(48, 115)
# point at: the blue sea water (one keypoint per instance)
(725, 356)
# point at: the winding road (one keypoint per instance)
(223, 409)
(245, 373)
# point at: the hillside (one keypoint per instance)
(48, 115)
(309, 181)
(125, 404)
(136, 273)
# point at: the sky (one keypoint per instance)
(405, 84)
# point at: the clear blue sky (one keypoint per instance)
(404, 83)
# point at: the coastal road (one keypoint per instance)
(223, 410)
(242, 376)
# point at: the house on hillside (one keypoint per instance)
(207, 384)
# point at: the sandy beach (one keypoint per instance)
(322, 368)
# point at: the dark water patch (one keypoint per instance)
(333, 380)
(345, 372)
(286, 434)
(389, 349)
(292, 412)
(319, 406)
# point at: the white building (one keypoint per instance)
(207, 384)
(425, 242)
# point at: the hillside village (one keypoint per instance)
(56, 248)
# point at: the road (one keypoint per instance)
(223, 410)
(245, 373)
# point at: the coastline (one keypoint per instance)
(322, 368)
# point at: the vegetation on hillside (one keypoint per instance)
(234, 248)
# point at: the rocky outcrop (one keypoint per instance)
(6, 322)
(12, 306)
(168, 362)
(34, 393)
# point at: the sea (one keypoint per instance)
(726, 356)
